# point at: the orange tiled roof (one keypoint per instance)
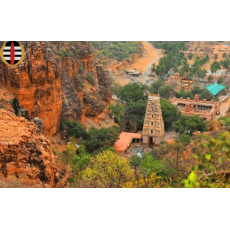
(124, 141)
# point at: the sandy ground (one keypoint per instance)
(203, 48)
(149, 56)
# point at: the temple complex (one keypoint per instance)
(153, 128)
(205, 109)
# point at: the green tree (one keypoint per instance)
(101, 138)
(76, 129)
(185, 138)
(220, 80)
(150, 165)
(182, 93)
(136, 113)
(108, 170)
(166, 91)
(118, 111)
(156, 86)
(205, 59)
(81, 160)
(133, 92)
(215, 66)
(188, 125)
(173, 57)
(206, 94)
(225, 63)
(190, 55)
(202, 74)
(182, 72)
(153, 67)
(135, 161)
(196, 90)
(170, 113)
(210, 77)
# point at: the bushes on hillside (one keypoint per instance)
(94, 139)
(89, 78)
(118, 50)
(98, 139)
(76, 129)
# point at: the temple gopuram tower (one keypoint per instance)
(153, 129)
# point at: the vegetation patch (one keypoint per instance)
(118, 50)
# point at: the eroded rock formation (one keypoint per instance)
(25, 154)
(58, 81)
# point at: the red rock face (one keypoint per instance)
(25, 154)
(34, 84)
(58, 81)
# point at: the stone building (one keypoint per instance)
(205, 109)
(153, 128)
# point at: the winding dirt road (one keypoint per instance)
(150, 56)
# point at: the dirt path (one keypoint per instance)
(150, 56)
(224, 108)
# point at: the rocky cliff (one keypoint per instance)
(25, 154)
(58, 81)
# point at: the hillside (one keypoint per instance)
(118, 50)
(60, 125)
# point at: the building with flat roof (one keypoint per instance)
(205, 109)
(133, 73)
(214, 88)
(125, 139)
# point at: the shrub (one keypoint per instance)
(81, 160)
(98, 139)
(89, 79)
(61, 126)
(206, 95)
(185, 138)
(76, 129)
(81, 68)
(225, 121)
(118, 50)
(109, 170)
(63, 52)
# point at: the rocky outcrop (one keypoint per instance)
(58, 81)
(6, 99)
(35, 84)
(25, 154)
